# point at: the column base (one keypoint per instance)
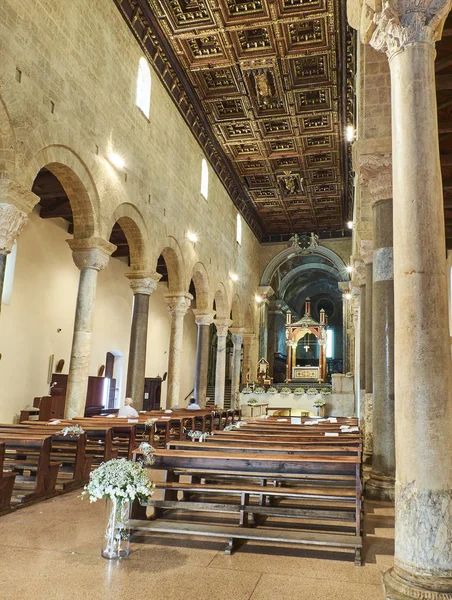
(424, 588)
(380, 488)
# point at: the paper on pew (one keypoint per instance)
(295, 421)
(165, 417)
(282, 419)
(168, 410)
(310, 422)
(332, 420)
(329, 434)
(56, 422)
(347, 429)
(132, 420)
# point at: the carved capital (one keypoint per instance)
(91, 253)
(375, 172)
(12, 221)
(366, 250)
(359, 272)
(203, 317)
(222, 326)
(265, 291)
(142, 282)
(392, 25)
(178, 303)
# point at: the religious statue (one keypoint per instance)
(263, 86)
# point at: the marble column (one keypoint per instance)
(12, 222)
(177, 303)
(377, 170)
(407, 30)
(344, 286)
(367, 255)
(142, 287)
(90, 255)
(203, 321)
(247, 367)
(237, 341)
(222, 326)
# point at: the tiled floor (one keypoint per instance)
(51, 551)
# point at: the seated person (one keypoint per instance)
(193, 405)
(127, 410)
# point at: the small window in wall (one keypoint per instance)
(9, 276)
(329, 343)
(239, 230)
(143, 100)
(204, 178)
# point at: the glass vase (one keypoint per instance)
(116, 543)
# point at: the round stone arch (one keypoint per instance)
(200, 280)
(135, 230)
(7, 142)
(174, 260)
(77, 182)
(221, 302)
(237, 312)
(321, 251)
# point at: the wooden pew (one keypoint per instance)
(28, 456)
(7, 480)
(69, 451)
(322, 490)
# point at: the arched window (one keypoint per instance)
(204, 178)
(143, 100)
(239, 230)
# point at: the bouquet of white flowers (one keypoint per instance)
(119, 479)
(319, 402)
(272, 390)
(298, 391)
(286, 390)
(72, 430)
(312, 391)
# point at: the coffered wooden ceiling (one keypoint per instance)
(267, 88)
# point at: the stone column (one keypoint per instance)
(247, 367)
(142, 287)
(237, 341)
(377, 170)
(222, 326)
(177, 303)
(407, 30)
(90, 255)
(275, 313)
(264, 292)
(367, 255)
(12, 222)
(344, 286)
(203, 321)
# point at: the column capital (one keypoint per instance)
(375, 171)
(237, 334)
(265, 291)
(91, 253)
(249, 336)
(392, 25)
(344, 286)
(359, 271)
(203, 317)
(178, 303)
(366, 250)
(143, 282)
(12, 222)
(222, 326)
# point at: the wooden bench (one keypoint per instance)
(6, 483)
(29, 458)
(320, 492)
(69, 451)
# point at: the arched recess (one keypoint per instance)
(237, 312)
(200, 280)
(174, 264)
(135, 231)
(77, 183)
(7, 142)
(221, 303)
(335, 261)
